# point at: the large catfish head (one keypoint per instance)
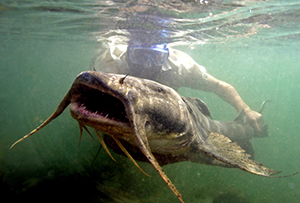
(139, 111)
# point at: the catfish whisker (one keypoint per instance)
(121, 81)
(87, 130)
(80, 129)
(104, 145)
(129, 156)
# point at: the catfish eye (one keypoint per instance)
(159, 89)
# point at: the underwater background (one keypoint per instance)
(44, 45)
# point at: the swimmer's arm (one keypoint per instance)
(229, 94)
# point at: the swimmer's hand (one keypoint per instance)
(254, 118)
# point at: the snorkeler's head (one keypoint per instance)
(148, 55)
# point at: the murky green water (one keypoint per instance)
(44, 45)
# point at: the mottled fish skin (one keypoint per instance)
(155, 119)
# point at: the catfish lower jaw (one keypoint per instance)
(101, 123)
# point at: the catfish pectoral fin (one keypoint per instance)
(223, 149)
(158, 168)
(143, 144)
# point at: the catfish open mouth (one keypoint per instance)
(90, 102)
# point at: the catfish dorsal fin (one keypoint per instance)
(200, 105)
(240, 118)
